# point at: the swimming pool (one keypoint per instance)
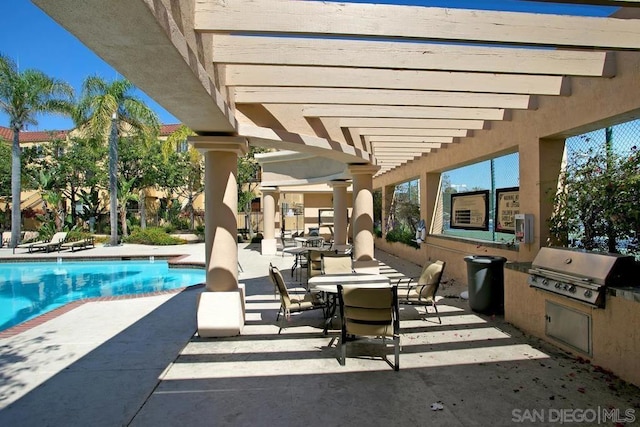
(30, 289)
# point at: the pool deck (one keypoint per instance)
(138, 362)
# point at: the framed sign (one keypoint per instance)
(507, 206)
(470, 211)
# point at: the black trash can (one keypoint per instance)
(485, 278)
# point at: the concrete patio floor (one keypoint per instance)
(138, 362)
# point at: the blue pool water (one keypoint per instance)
(30, 289)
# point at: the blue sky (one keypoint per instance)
(34, 40)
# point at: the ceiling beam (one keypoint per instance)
(415, 139)
(235, 49)
(321, 110)
(390, 150)
(370, 132)
(406, 146)
(413, 123)
(432, 23)
(273, 75)
(614, 3)
(326, 95)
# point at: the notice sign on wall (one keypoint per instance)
(470, 211)
(507, 206)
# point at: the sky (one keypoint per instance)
(34, 40)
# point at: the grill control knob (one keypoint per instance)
(588, 293)
(572, 289)
(545, 282)
(557, 285)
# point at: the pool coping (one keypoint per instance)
(172, 261)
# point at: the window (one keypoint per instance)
(490, 175)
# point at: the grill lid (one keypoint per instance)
(600, 268)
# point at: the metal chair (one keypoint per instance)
(372, 312)
(422, 291)
(288, 304)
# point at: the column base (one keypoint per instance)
(220, 314)
(269, 246)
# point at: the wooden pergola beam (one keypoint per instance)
(331, 110)
(235, 49)
(330, 95)
(391, 123)
(432, 23)
(273, 75)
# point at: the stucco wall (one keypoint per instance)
(615, 336)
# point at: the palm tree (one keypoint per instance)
(105, 110)
(24, 95)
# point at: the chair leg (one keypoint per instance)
(343, 351)
(396, 343)
(437, 313)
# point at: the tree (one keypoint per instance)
(5, 180)
(191, 164)
(596, 208)
(106, 110)
(126, 193)
(23, 96)
(248, 179)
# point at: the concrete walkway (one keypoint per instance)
(137, 362)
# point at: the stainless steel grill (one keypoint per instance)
(581, 275)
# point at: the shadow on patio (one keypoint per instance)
(481, 370)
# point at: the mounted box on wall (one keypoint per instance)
(524, 228)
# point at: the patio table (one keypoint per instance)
(298, 253)
(328, 284)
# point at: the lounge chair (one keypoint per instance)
(422, 291)
(48, 246)
(6, 239)
(288, 304)
(83, 243)
(369, 312)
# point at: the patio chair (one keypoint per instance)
(6, 239)
(288, 304)
(51, 245)
(288, 240)
(333, 263)
(422, 291)
(370, 312)
(314, 263)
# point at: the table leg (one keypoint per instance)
(295, 264)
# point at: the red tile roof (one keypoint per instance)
(168, 129)
(46, 136)
(6, 133)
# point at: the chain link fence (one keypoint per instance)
(597, 206)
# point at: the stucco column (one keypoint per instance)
(340, 212)
(363, 241)
(430, 191)
(221, 314)
(269, 204)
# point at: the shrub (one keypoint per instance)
(74, 235)
(402, 236)
(152, 236)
